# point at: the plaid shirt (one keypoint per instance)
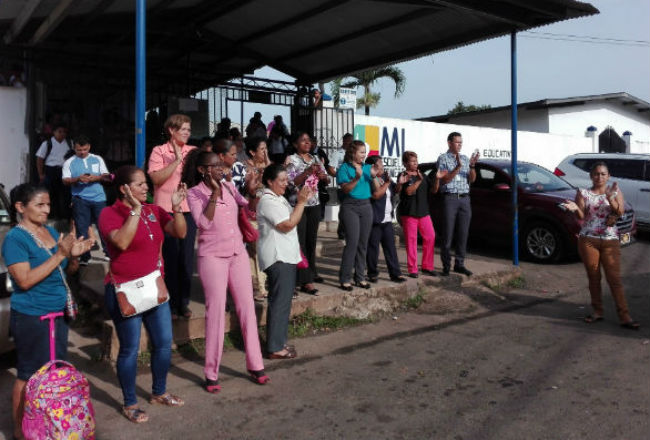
(460, 183)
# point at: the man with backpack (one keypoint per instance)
(49, 164)
(84, 173)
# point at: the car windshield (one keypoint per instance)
(535, 179)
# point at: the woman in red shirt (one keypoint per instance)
(134, 232)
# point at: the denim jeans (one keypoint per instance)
(158, 322)
(84, 214)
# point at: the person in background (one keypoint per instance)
(238, 140)
(277, 142)
(303, 168)
(354, 177)
(36, 256)
(278, 254)
(205, 144)
(599, 207)
(459, 173)
(236, 171)
(256, 128)
(49, 165)
(323, 194)
(134, 232)
(223, 264)
(84, 173)
(165, 168)
(336, 160)
(383, 191)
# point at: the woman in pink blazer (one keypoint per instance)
(222, 262)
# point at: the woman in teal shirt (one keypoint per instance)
(36, 256)
(354, 177)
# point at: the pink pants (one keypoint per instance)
(411, 225)
(217, 274)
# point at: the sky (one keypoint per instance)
(479, 74)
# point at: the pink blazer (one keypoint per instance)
(219, 237)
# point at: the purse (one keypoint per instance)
(141, 294)
(248, 231)
(303, 264)
(71, 309)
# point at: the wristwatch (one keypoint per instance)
(133, 213)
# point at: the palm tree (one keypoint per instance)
(366, 79)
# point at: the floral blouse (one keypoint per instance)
(295, 165)
(598, 208)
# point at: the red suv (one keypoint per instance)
(547, 233)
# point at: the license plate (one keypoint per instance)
(625, 238)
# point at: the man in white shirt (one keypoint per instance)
(49, 162)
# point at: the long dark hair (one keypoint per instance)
(23, 193)
(193, 160)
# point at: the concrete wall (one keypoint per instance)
(14, 149)
(391, 137)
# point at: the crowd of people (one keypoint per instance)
(254, 205)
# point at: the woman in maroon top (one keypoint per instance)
(134, 232)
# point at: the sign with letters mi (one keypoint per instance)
(384, 141)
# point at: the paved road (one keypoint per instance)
(469, 364)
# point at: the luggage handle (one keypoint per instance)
(52, 316)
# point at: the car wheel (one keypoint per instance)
(542, 243)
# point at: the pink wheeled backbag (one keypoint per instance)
(57, 400)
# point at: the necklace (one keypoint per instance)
(146, 223)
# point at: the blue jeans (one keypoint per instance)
(158, 322)
(84, 214)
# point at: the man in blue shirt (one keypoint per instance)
(84, 172)
(457, 210)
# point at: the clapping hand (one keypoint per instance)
(179, 194)
(403, 178)
(178, 152)
(441, 173)
(358, 171)
(612, 190)
(130, 198)
(305, 194)
(475, 157)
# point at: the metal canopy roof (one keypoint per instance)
(208, 41)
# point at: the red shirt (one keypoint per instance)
(142, 255)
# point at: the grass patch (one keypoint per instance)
(414, 302)
(518, 282)
(310, 323)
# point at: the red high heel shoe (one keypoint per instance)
(259, 377)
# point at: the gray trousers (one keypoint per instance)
(357, 220)
(282, 280)
(457, 214)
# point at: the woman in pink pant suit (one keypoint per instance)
(222, 262)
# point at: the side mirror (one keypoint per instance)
(501, 187)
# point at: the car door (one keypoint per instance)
(491, 204)
(632, 179)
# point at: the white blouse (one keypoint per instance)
(274, 245)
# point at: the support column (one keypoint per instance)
(513, 142)
(140, 81)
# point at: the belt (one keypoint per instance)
(456, 195)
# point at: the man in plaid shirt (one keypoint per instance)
(458, 172)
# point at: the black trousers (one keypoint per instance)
(178, 254)
(385, 234)
(60, 198)
(307, 235)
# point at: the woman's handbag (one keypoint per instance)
(303, 264)
(248, 231)
(71, 309)
(142, 294)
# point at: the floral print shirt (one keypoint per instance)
(598, 208)
(296, 165)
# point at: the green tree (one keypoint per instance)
(366, 80)
(462, 108)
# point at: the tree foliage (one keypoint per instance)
(462, 108)
(366, 80)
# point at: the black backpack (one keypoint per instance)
(68, 154)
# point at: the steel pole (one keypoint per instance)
(140, 81)
(513, 142)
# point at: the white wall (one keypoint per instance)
(574, 120)
(14, 149)
(429, 140)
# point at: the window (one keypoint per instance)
(625, 168)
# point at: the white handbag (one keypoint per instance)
(142, 294)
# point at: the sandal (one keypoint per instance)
(166, 399)
(135, 414)
(631, 325)
(311, 291)
(290, 353)
(259, 377)
(186, 312)
(346, 286)
(212, 386)
(590, 319)
(362, 284)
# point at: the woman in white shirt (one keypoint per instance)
(278, 252)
